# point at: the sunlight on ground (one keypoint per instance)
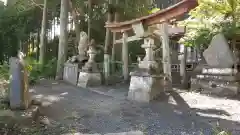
(212, 106)
(172, 101)
(32, 90)
(49, 99)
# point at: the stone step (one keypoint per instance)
(215, 87)
(21, 117)
(218, 71)
(217, 82)
(218, 77)
(222, 92)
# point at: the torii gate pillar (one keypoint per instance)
(166, 58)
(125, 56)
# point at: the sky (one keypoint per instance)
(4, 1)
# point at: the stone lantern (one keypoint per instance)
(146, 80)
(90, 74)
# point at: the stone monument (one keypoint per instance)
(217, 77)
(90, 74)
(19, 92)
(146, 81)
(218, 54)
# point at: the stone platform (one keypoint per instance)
(145, 88)
(216, 81)
(23, 117)
(86, 79)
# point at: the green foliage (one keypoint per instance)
(154, 10)
(210, 18)
(135, 50)
(219, 131)
(16, 27)
(4, 71)
(37, 71)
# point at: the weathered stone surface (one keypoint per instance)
(86, 79)
(218, 53)
(219, 88)
(70, 73)
(82, 46)
(91, 65)
(19, 93)
(219, 78)
(219, 71)
(146, 81)
(195, 86)
(144, 89)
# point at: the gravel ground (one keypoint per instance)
(69, 109)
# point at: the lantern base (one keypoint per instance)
(88, 79)
(144, 88)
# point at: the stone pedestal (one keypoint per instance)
(87, 79)
(19, 92)
(217, 77)
(146, 81)
(70, 73)
(90, 75)
(217, 81)
(145, 88)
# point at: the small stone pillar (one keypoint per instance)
(90, 74)
(146, 82)
(19, 92)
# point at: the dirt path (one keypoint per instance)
(105, 110)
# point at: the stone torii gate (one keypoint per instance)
(146, 81)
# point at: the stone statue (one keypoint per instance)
(82, 49)
(82, 46)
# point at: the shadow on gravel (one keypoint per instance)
(210, 122)
(81, 110)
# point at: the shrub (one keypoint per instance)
(37, 71)
(4, 71)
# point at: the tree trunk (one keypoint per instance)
(54, 25)
(116, 19)
(62, 49)
(89, 19)
(75, 19)
(183, 72)
(38, 44)
(33, 44)
(106, 48)
(43, 34)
